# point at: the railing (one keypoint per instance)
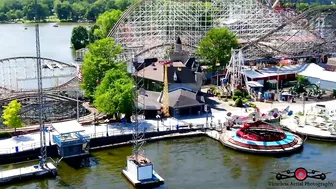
(33, 146)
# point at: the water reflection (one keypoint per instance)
(197, 163)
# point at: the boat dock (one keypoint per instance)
(32, 171)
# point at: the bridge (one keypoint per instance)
(265, 31)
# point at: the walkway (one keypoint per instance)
(31, 141)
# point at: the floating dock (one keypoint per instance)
(140, 172)
(28, 172)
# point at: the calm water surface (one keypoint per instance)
(55, 41)
(194, 163)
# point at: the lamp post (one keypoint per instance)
(206, 111)
(158, 117)
(94, 124)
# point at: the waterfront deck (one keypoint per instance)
(27, 172)
(312, 132)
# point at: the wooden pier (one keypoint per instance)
(28, 172)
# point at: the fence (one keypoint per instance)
(33, 146)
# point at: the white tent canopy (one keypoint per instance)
(317, 74)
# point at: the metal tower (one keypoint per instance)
(165, 106)
(234, 69)
(43, 144)
(139, 106)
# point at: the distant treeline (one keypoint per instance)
(64, 10)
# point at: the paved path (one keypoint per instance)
(30, 141)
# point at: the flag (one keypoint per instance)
(79, 73)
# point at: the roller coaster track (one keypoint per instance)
(34, 95)
(32, 57)
(57, 88)
(298, 17)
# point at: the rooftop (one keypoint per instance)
(68, 127)
(177, 98)
(274, 71)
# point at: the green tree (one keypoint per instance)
(3, 17)
(302, 6)
(216, 46)
(63, 10)
(95, 10)
(79, 37)
(11, 115)
(19, 14)
(101, 57)
(115, 93)
(92, 36)
(42, 11)
(106, 21)
(78, 11)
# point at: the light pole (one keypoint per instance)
(94, 124)
(206, 111)
(158, 120)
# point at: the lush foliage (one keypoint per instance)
(72, 10)
(105, 79)
(216, 46)
(115, 93)
(11, 115)
(102, 57)
(301, 79)
(105, 22)
(79, 37)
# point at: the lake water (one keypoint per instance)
(55, 41)
(193, 163)
(15, 41)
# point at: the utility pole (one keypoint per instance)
(43, 151)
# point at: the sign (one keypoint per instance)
(301, 177)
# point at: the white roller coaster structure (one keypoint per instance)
(263, 31)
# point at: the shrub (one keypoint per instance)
(5, 135)
(238, 93)
(248, 97)
(245, 101)
(334, 93)
(235, 97)
(239, 102)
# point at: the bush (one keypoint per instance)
(212, 87)
(245, 101)
(235, 98)
(238, 93)
(5, 135)
(248, 97)
(334, 93)
(239, 102)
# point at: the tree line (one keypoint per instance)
(64, 10)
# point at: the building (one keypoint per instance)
(185, 79)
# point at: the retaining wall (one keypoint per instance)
(95, 144)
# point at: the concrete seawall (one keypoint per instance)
(101, 143)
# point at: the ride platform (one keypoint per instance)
(262, 140)
(140, 172)
(28, 172)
